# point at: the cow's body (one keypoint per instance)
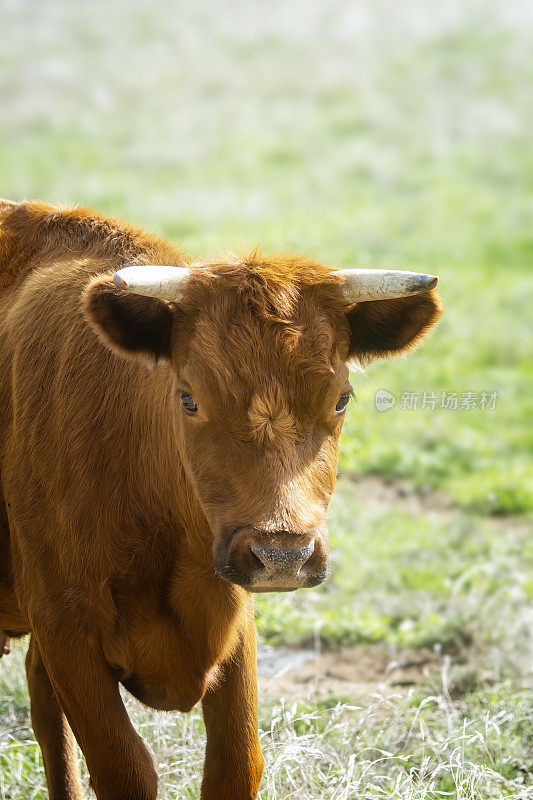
(106, 554)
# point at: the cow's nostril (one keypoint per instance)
(257, 564)
(306, 555)
(308, 562)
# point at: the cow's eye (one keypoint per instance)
(188, 403)
(344, 399)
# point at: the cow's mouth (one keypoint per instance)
(258, 584)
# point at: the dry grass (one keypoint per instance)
(454, 739)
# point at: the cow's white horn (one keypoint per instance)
(153, 280)
(383, 284)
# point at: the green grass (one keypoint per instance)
(368, 134)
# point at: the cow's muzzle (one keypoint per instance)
(278, 561)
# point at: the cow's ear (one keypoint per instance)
(380, 328)
(132, 325)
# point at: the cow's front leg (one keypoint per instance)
(119, 764)
(233, 760)
(52, 731)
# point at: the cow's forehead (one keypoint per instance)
(256, 328)
(235, 344)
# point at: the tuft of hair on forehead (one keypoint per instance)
(269, 417)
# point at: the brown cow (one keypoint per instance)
(162, 459)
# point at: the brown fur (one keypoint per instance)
(116, 500)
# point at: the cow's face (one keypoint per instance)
(262, 393)
(260, 353)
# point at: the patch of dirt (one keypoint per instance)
(375, 491)
(351, 672)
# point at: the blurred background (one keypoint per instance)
(362, 134)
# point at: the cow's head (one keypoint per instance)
(260, 351)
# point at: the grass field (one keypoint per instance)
(364, 134)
